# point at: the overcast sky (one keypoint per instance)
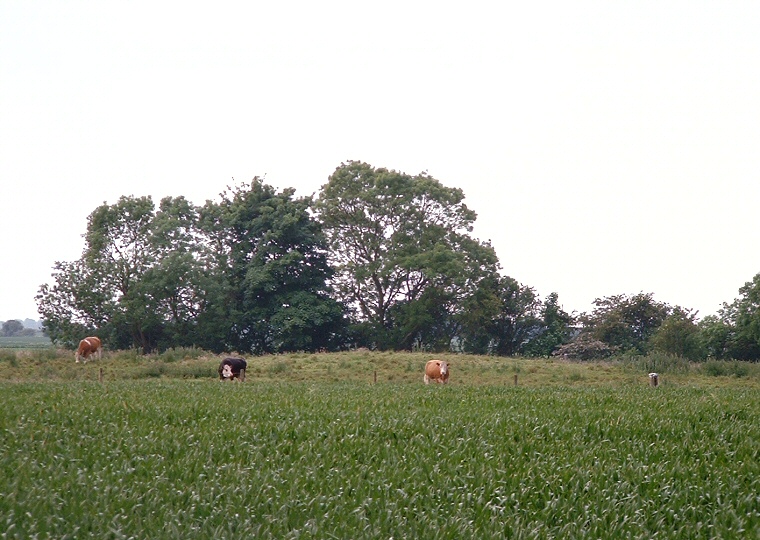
(608, 147)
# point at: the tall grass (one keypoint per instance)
(197, 459)
(657, 362)
(365, 366)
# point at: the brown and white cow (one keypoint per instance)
(89, 346)
(436, 370)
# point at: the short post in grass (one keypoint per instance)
(100, 375)
(375, 377)
(242, 375)
(515, 379)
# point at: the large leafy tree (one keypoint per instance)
(103, 290)
(555, 328)
(177, 285)
(248, 273)
(12, 328)
(714, 336)
(500, 318)
(743, 318)
(625, 322)
(271, 269)
(679, 335)
(402, 252)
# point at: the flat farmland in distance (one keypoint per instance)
(25, 342)
(171, 458)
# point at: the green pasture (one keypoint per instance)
(25, 342)
(362, 366)
(165, 457)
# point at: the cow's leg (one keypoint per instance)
(426, 378)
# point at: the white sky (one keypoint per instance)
(608, 147)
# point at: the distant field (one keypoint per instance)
(25, 342)
(203, 459)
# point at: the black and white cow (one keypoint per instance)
(232, 368)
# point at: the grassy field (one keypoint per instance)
(35, 364)
(25, 342)
(310, 447)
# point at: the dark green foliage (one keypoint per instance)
(270, 264)
(679, 335)
(743, 318)
(714, 336)
(555, 328)
(251, 273)
(501, 318)
(404, 260)
(625, 322)
(246, 274)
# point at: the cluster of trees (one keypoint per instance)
(15, 328)
(639, 324)
(379, 259)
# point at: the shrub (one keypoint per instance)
(658, 362)
(180, 353)
(154, 369)
(720, 368)
(585, 347)
(279, 367)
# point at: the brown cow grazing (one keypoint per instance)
(88, 346)
(436, 370)
(232, 368)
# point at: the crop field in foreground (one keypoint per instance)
(203, 459)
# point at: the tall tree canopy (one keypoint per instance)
(742, 317)
(248, 273)
(501, 318)
(625, 322)
(271, 264)
(679, 335)
(402, 252)
(104, 289)
(12, 328)
(555, 328)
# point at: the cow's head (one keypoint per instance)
(227, 371)
(444, 367)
